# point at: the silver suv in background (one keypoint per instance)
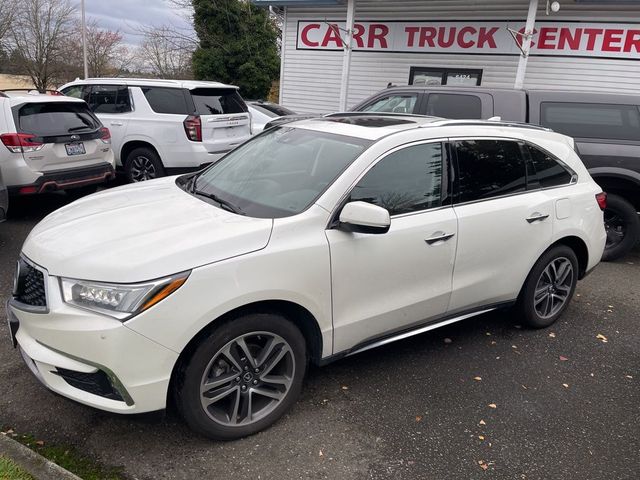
(52, 143)
(162, 127)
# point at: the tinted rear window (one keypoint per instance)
(167, 100)
(592, 120)
(51, 119)
(217, 101)
(454, 106)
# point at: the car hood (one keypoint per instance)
(141, 232)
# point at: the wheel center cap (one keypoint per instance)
(247, 377)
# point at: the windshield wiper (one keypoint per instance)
(221, 201)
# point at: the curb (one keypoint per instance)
(32, 462)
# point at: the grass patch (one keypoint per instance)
(9, 470)
(69, 458)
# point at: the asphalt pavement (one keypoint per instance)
(483, 398)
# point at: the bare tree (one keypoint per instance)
(106, 53)
(165, 53)
(38, 33)
(7, 12)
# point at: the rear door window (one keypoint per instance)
(592, 120)
(396, 103)
(167, 100)
(55, 119)
(109, 99)
(489, 168)
(454, 106)
(217, 101)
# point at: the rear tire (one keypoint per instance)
(622, 225)
(142, 164)
(224, 393)
(549, 287)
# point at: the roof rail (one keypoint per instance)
(491, 122)
(377, 114)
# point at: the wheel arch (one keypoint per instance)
(292, 311)
(131, 145)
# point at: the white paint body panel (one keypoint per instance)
(355, 286)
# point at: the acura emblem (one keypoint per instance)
(75, 137)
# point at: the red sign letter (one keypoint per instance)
(466, 43)
(592, 33)
(486, 36)
(357, 34)
(566, 39)
(547, 35)
(332, 35)
(378, 32)
(426, 36)
(442, 43)
(609, 40)
(412, 35)
(632, 40)
(304, 36)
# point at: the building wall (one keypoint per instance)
(311, 78)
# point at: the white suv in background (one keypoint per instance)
(161, 127)
(310, 242)
(52, 143)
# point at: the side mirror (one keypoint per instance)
(363, 217)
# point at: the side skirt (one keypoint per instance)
(415, 330)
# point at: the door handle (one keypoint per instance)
(439, 237)
(116, 124)
(537, 217)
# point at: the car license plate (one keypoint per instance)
(75, 148)
(13, 327)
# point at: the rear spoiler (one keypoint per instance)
(30, 91)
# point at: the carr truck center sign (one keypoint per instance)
(551, 38)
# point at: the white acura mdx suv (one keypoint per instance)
(310, 242)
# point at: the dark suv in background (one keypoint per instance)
(606, 129)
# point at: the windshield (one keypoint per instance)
(279, 173)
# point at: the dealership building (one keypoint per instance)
(335, 53)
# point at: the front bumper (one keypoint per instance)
(67, 179)
(91, 358)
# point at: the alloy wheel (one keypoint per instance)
(247, 379)
(553, 287)
(142, 168)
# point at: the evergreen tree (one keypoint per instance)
(238, 45)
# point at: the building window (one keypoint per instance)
(444, 76)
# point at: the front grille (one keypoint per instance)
(30, 288)
(95, 383)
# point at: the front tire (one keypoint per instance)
(622, 224)
(549, 287)
(242, 377)
(143, 164)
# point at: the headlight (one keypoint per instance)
(119, 300)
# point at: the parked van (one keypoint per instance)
(605, 127)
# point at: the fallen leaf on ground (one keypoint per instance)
(563, 359)
(602, 337)
(481, 437)
(565, 385)
(481, 422)
(320, 454)
(418, 418)
(628, 376)
(552, 335)
(513, 346)
(493, 342)
(488, 333)
(40, 443)
(478, 379)
(344, 387)
(493, 405)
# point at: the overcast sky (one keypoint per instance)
(127, 15)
